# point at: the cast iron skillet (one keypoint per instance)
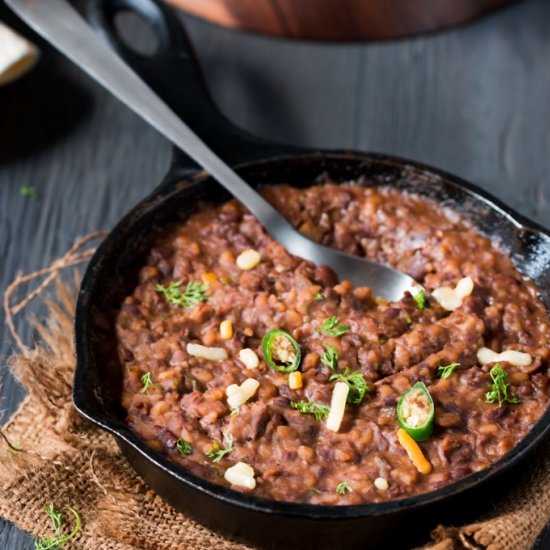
(111, 275)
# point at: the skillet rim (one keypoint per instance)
(249, 502)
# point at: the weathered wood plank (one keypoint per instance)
(473, 101)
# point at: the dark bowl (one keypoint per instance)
(112, 272)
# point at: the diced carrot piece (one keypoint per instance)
(414, 451)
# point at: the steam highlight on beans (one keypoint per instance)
(264, 373)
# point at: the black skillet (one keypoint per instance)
(111, 274)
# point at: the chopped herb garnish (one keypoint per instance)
(314, 492)
(235, 411)
(420, 299)
(356, 382)
(28, 191)
(318, 296)
(13, 448)
(330, 357)
(184, 447)
(194, 293)
(333, 327)
(343, 488)
(499, 388)
(318, 410)
(408, 318)
(444, 371)
(191, 380)
(216, 453)
(147, 382)
(58, 541)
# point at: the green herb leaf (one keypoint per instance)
(147, 382)
(58, 541)
(499, 388)
(216, 453)
(235, 411)
(191, 380)
(28, 191)
(444, 371)
(184, 447)
(343, 488)
(356, 382)
(194, 293)
(13, 448)
(318, 410)
(56, 517)
(333, 327)
(318, 296)
(420, 299)
(330, 357)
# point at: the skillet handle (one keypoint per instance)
(173, 73)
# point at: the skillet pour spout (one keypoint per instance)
(172, 73)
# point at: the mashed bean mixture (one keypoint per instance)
(177, 401)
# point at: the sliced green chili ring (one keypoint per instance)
(415, 412)
(281, 351)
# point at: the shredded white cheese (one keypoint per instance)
(451, 298)
(238, 395)
(248, 259)
(249, 358)
(232, 389)
(241, 474)
(204, 352)
(381, 483)
(516, 358)
(337, 406)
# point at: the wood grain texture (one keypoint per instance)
(342, 20)
(474, 101)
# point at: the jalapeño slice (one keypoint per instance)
(281, 351)
(415, 412)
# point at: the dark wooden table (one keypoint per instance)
(474, 101)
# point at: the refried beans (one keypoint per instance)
(215, 285)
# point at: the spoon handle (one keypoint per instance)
(59, 23)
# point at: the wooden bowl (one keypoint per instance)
(343, 20)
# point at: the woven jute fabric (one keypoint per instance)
(66, 461)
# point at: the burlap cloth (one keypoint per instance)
(59, 458)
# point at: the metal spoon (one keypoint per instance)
(59, 23)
